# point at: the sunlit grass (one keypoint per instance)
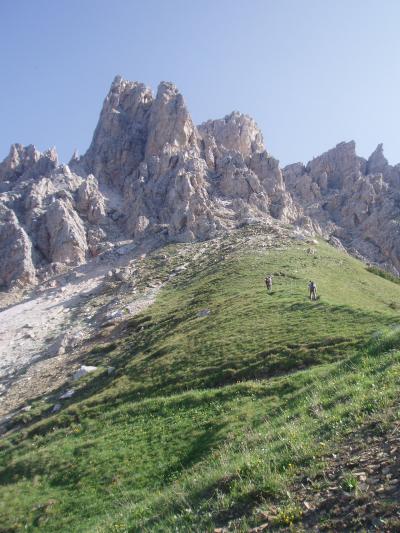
(207, 419)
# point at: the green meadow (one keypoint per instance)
(221, 396)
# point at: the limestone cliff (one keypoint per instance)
(352, 199)
(150, 172)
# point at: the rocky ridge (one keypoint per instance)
(150, 172)
(51, 217)
(352, 199)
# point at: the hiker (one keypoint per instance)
(312, 287)
(268, 282)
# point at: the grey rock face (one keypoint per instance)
(244, 172)
(181, 181)
(235, 132)
(340, 165)
(168, 192)
(66, 234)
(352, 199)
(15, 250)
(90, 201)
(150, 171)
(169, 123)
(377, 162)
(47, 219)
(119, 141)
(26, 163)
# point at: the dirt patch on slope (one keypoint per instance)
(358, 490)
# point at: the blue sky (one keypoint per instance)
(311, 72)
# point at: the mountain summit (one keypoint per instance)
(151, 173)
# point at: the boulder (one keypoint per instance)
(83, 371)
(66, 395)
(56, 408)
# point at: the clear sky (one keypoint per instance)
(311, 72)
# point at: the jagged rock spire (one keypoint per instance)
(119, 140)
(377, 162)
(163, 176)
(170, 122)
(236, 132)
(26, 162)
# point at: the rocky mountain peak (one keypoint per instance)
(26, 162)
(235, 132)
(337, 166)
(119, 140)
(150, 173)
(170, 122)
(377, 162)
(352, 199)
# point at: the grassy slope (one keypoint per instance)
(208, 419)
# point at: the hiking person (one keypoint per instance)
(312, 287)
(268, 282)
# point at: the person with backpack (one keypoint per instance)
(268, 282)
(312, 287)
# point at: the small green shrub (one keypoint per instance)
(349, 483)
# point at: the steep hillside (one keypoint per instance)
(221, 401)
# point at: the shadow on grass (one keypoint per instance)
(197, 450)
(183, 372)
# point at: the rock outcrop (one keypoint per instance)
(351, 199)
(90, 201)
(168, 192)
(377, 162)
(49, 216)
(66, 234)
(119, 140)
(169, 123)
(16, 263)
(235, 132)
(176, 180)
(150, 172)
(25, 163)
